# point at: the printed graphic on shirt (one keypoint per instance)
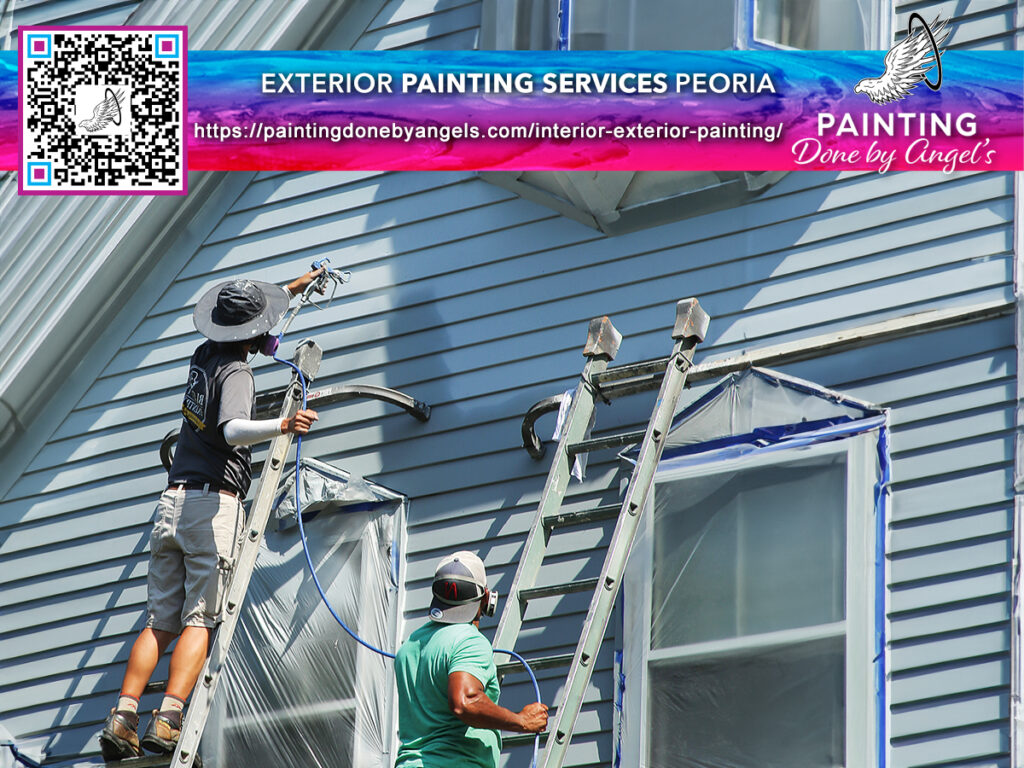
(197, 395)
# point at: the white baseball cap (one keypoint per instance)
(459, 583)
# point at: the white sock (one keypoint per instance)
(126, 703)
(171, 704)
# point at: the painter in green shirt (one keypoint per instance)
(448, 713)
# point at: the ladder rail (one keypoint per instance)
(307, 358)
(557, 482)
(603, 600)
(602, 345)
(668, 375)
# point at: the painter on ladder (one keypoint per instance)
(199, 520)
(448, 713)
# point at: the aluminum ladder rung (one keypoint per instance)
(149, 761)
(553, 590)
(631, 371)
(583, 517)
(611, 441)
(541, 662)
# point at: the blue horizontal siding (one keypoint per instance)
(975, 24)
(477, 302)
(435, 25)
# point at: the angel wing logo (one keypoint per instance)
(105, 113)
(908, 63)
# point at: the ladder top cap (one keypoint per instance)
(307, 357)
(691, 321)
(602, 339)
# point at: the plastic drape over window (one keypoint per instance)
(297, 690)
(736, 640)
(738, 556)
(18, 753)
(758, 407)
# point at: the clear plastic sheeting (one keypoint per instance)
(711, 713)
(297, 690)
(753, 609)
(30, 751)
(325, 487)
(758, 406)
(749, 552)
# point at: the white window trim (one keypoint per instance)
(882, 21)
(499, 19)
(861, 729)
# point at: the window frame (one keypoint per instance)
(861, 731)
(500, 19)
(880, 33)
(365, 660)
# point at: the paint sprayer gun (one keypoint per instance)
(317, 285)
(335, 276)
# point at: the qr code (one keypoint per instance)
(102, 110)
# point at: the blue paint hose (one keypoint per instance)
(320, 589)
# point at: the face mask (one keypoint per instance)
(268, 344)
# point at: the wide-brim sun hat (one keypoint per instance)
(459, 583)
(239, 310)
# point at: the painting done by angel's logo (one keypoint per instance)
(106, 112)
(103, 110)
(908, 63)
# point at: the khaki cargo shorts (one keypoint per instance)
(195, 539)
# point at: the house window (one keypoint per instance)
(625, 25)
(296, 690)
(748, 604)
(813, 24)
(691, 25)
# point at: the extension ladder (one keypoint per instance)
(307, 359)
(597, 381)
(284, 402)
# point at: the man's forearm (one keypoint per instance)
(481, 712)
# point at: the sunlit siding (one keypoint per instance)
(476, 301)
(979, 25)
(434, 25)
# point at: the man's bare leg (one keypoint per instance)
(187, 661)
(119, 738)
(149, 647)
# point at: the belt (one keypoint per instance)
(203, 487)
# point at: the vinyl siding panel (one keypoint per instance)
(64, 13)
(950, 538)
(434, 25)
(978, 25)
(476, 302)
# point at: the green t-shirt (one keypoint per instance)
(431, 736)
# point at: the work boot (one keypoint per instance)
(119, 738)
(162, 734)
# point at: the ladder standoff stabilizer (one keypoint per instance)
(531, 442)
(603, 341)
(269, 403)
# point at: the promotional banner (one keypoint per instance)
(122, 109)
